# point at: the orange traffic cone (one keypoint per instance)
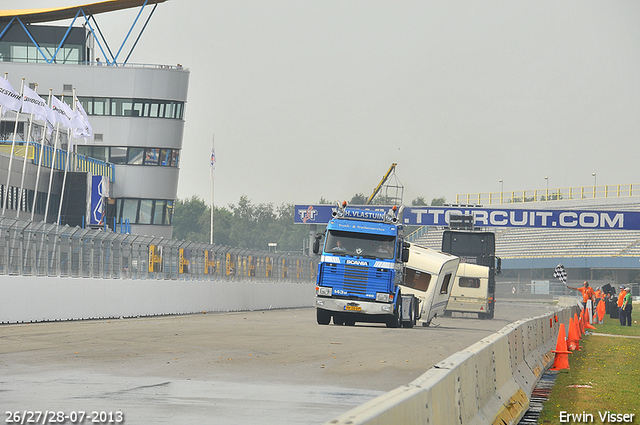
(577, 321)
(601, 311)
(561, 360)
(573, 340)
(581, 325)
(586, 324)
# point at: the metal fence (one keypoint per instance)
(559, 194)
(40, 249)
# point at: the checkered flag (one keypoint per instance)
(561, 274)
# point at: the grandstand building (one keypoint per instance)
(529, 255)
(136, 113)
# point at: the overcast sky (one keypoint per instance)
(312, 99)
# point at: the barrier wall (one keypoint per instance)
(487, 383)
(36, 299)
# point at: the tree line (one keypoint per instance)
(252, 226)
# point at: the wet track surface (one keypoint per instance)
(263, 367)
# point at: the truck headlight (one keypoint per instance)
(324, 291)
(382, 297)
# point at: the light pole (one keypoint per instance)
(594, 184)
(501, 189)
(547, 193)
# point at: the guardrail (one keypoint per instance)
(542, 195)
(489, 382)
(39, 249)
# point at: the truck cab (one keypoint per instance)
(361, 267)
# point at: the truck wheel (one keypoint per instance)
(395, 320)
(349, 322)
(323, 316)
(447, 313)
(490, 315)
(412, 316)
(411, 322)
(338, 320)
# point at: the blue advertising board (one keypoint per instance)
(491, 217)
(96, 205)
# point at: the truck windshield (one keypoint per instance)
(360, 244)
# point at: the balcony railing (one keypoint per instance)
(78, 162)
(559, 194)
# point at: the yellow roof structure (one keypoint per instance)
(69, 12)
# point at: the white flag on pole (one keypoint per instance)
(62, 113)
(81, 126)
(9, 98)
(34, 104)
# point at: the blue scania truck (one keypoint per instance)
(365, 273)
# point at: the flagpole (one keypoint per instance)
(213, 164)
(6, 76)
(66, 165)
(44, 133)
(53, 162)
(24, 163)
(13, 147)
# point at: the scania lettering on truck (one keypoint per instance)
(361, 272)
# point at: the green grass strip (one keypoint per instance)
(603, 377)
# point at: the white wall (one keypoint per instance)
(35, 299)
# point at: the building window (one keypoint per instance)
(144, 211)
(145, 108)
(151, 156)
(121, 155)
(129, 210)
(146, 208)
(118, 155)
(27, 52)
(158, 212)
(135, 156)
(168, 214)
(96, 152)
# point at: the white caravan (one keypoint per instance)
(429, 276)
(470, 292)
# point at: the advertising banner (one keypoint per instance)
(209, 262)
(185, 260)
(491, 217)
(97, 195)
(155, 258)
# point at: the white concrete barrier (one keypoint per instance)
(487, 383)
(36, 299)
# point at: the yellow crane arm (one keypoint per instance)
(384, 179)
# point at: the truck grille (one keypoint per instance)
(356, 280)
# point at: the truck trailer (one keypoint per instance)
(470, 292)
